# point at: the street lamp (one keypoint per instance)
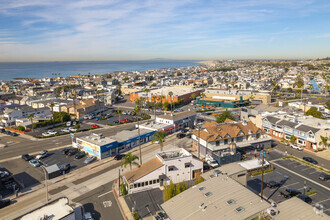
(46, 183)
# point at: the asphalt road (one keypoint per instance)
(300, 154)
(101, 203)
(23, 146)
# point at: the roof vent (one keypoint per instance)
(201, 205)
(201, 188)
(208, 194)
(231, 201)
(204, 208)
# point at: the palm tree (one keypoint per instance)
(170, 93)
(137, 111)
(118, 112)
(202, 95)
(324, 141)
(147, 92)
(31, 116)
(154, 99)
(129, 160)
(51, 105)
(160, 99)
(160, 138)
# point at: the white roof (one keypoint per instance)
(56, 210)
(253, 164)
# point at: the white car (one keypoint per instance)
(212, 163)
(86, 117)
(52, 132)
(88, 216)
(46, 134)
(297, 147)
(72, 129)
(65, 130)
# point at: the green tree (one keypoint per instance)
(314, 112)
(31, 116)
(170, 93)
(328, 104)
(129, 160)
(199, 180)
(168, 192)
(221, 118)
(324, 141)
(166, 105)
(180, 187)
(147, 93)
(137, 111)
(202, 95)
(20, 128)
(160, 138)
(119, 112)
(193, 96)
(293, 139)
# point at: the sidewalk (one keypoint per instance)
(76, 183)
(121, 202)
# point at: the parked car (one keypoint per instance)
(297, 147)
(7, 132)
(309, 159)
(27, 157)
(72, 129)
(72, 152)
(42, 154)
(80, 155)
(324, 177)
(273, 184)
(65, 167)
(74, 123)
(88, 216)
(185, 130)
(122, 121)
(89, 159)
(108, 116)
(212, 163)
(119, 156)
(97, 119)
(86, 117)
(34, 163)
(91, 117)
(66, 150)
(46, 134)
(14, 134)
(288, 193)
(305, 198)
(116, 122)
(65, 130)
(4, 203)
(95, 126)
(4, 174)
(180, 135)
(68, 123)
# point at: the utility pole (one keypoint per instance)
(119, 182)
(262, 176)
(199, 139)
(46, 183)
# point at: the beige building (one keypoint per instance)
(236, 94)
(85, 106)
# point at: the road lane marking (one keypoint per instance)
(104, 194)
(107, 204)
(327, 188)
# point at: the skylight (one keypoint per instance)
(208, 194)
(231, 201)
(201, 188)
(239, 209)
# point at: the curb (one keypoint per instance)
(117, 200)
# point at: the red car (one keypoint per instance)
(122, 121)
(95, 126)
(126, 120)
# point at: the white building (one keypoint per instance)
(175, 165)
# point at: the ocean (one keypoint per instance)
(12, 70)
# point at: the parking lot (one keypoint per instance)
(290, 181)
(28, 176)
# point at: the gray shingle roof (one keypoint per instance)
(272, 119)
(306, 128)
(287, 123)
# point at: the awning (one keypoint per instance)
(170, 128)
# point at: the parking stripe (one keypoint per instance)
(291, 184)
(324, 200)
(316, 171)
(327, 188)
(307, 168)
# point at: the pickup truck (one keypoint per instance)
(288, 193)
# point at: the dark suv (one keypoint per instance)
(180, 135)
(290, 193)
(324, 177)
(72, 151)
(305, 198)
(273, 184)
(4, 203)
(65, 167)
(309, 159)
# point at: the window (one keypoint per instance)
(138, 185)
(201, 188)
(171, 168)
(135, 185)
(142, 184)
(146, 183)
(217, 143)
(157, 180)
(231, 201)
(226, 141)
(150, 182)
(186, 165)
(239, 209)
(154, 181)
(239, 175)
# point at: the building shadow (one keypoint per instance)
(89, 207)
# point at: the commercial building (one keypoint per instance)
(217, 198)
(97, 145)
(261, 97)
(175, 165)
(59, 209)
(183, 93)
(225, 102)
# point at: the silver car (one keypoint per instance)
(89, 159)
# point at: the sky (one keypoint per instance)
(87, 30)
